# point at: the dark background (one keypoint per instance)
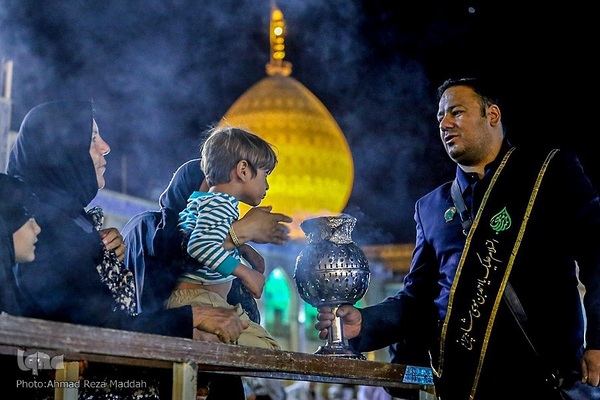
(161, 72)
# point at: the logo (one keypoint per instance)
(449, 214)
(37, 361)
(501, 221)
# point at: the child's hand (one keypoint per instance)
(253, 280)
(253, 257)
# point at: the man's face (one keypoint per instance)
(465, 133)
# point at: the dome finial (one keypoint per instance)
(277, 66)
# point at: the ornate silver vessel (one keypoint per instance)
(330, 271)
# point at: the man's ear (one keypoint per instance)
(494, 114)
(243, 170)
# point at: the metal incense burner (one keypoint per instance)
(330, 271)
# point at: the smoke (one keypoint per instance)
(162, 71)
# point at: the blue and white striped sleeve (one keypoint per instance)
(214, 218)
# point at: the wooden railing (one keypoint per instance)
(72, 343)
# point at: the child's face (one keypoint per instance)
(24, 241)
(256, 188)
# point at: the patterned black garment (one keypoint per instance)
(108, 378)
(113, 272)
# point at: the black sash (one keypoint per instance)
(485, 265)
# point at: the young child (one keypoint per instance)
(18, 235)
(236, 164)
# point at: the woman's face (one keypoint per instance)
(98, 149)
(24, 241)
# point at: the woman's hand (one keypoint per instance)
(112, 239)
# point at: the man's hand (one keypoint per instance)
(260, 225)
(112, 239)
(224, 323)
(350, 316)
(590, 367)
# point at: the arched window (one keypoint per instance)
(277, 301)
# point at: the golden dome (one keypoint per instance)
(315, 172)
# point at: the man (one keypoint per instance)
(531, 224)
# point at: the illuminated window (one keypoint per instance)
(309, 324)
(277, 303)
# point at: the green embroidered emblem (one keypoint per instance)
(501, 221)
(449, 214)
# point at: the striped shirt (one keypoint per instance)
(208, 216)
